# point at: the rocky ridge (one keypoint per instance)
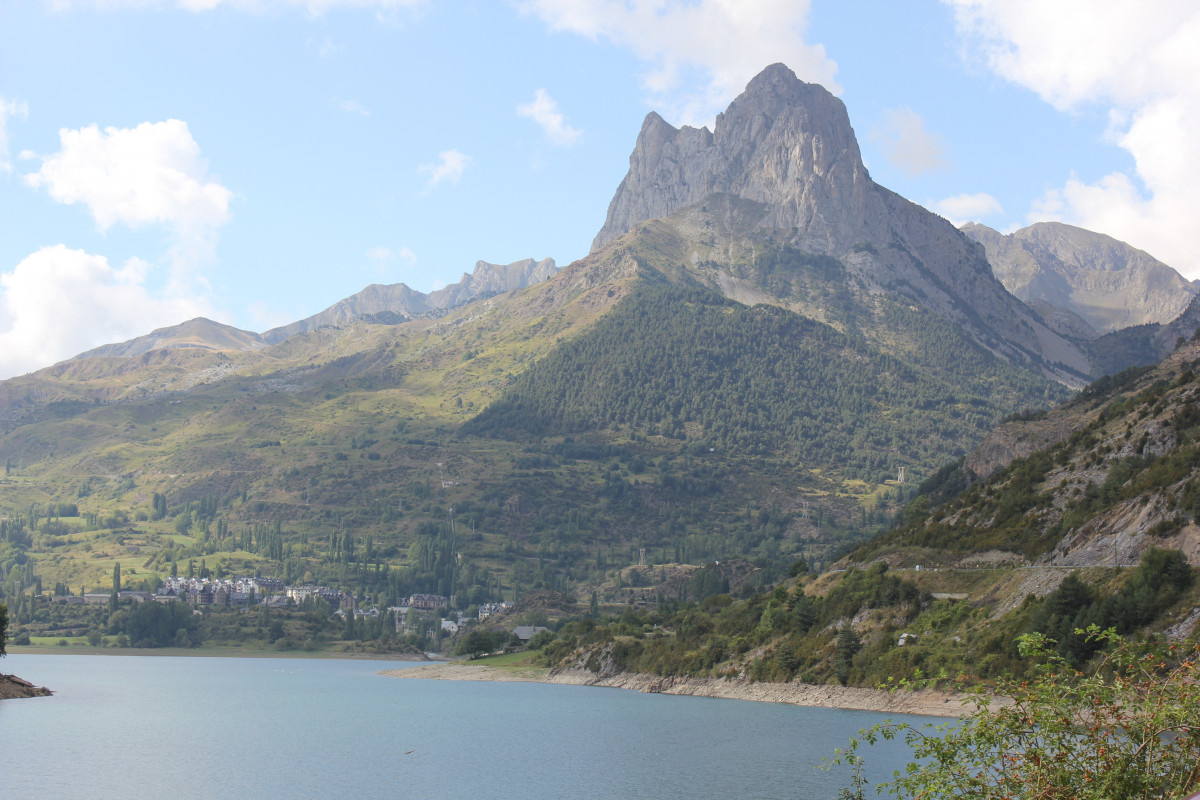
(397, 302)
(1106, 283)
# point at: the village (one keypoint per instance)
(430, 610)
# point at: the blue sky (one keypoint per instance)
(255, 161)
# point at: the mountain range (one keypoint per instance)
(1091, 282)
(760, 356)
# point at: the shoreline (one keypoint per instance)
(924, 702)
(205, 652)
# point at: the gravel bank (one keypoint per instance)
(925, 702)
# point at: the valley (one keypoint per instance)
(769, 428)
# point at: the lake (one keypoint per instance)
(261, 728)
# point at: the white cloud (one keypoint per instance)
(149, 175)
(727, 42)
(384, 8)
(449, 167)
(9, 108)
(962, 208)
(1140, 60)
(135, 176)
(908, 145)
(60, 302)
(544, 111)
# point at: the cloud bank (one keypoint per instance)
(59, 302)
(1140, 62)
(151, 174)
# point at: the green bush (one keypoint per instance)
(1127, 728)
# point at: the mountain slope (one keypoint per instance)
(1095, 482)
(1106, 283)
(688, 364)
(200, 333)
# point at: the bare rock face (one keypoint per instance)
(1107, 283)
(397, 302)
(488, 280)
(789, 146)
(782, 142)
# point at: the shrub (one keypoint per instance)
(1127, 728)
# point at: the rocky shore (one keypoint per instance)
(12, 687)
(924, 702)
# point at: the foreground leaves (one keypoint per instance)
(1129, 727)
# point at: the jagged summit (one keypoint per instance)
(789, 146)
(397, 302)
(782, 142)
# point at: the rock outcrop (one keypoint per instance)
(12, 687)
(393, 303)
(1107, 283)
(789, 146)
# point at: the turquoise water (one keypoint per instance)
(129, 726)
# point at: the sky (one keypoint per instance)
(255, 161)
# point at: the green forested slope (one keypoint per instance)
(689, 365)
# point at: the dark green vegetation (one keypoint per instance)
(1123, 478)
(1158, 583)
(869, 626)
(692, 366)
(309, 626)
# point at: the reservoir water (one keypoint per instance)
(263, 728)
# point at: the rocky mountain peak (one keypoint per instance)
(788, 146)
(781, 142)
